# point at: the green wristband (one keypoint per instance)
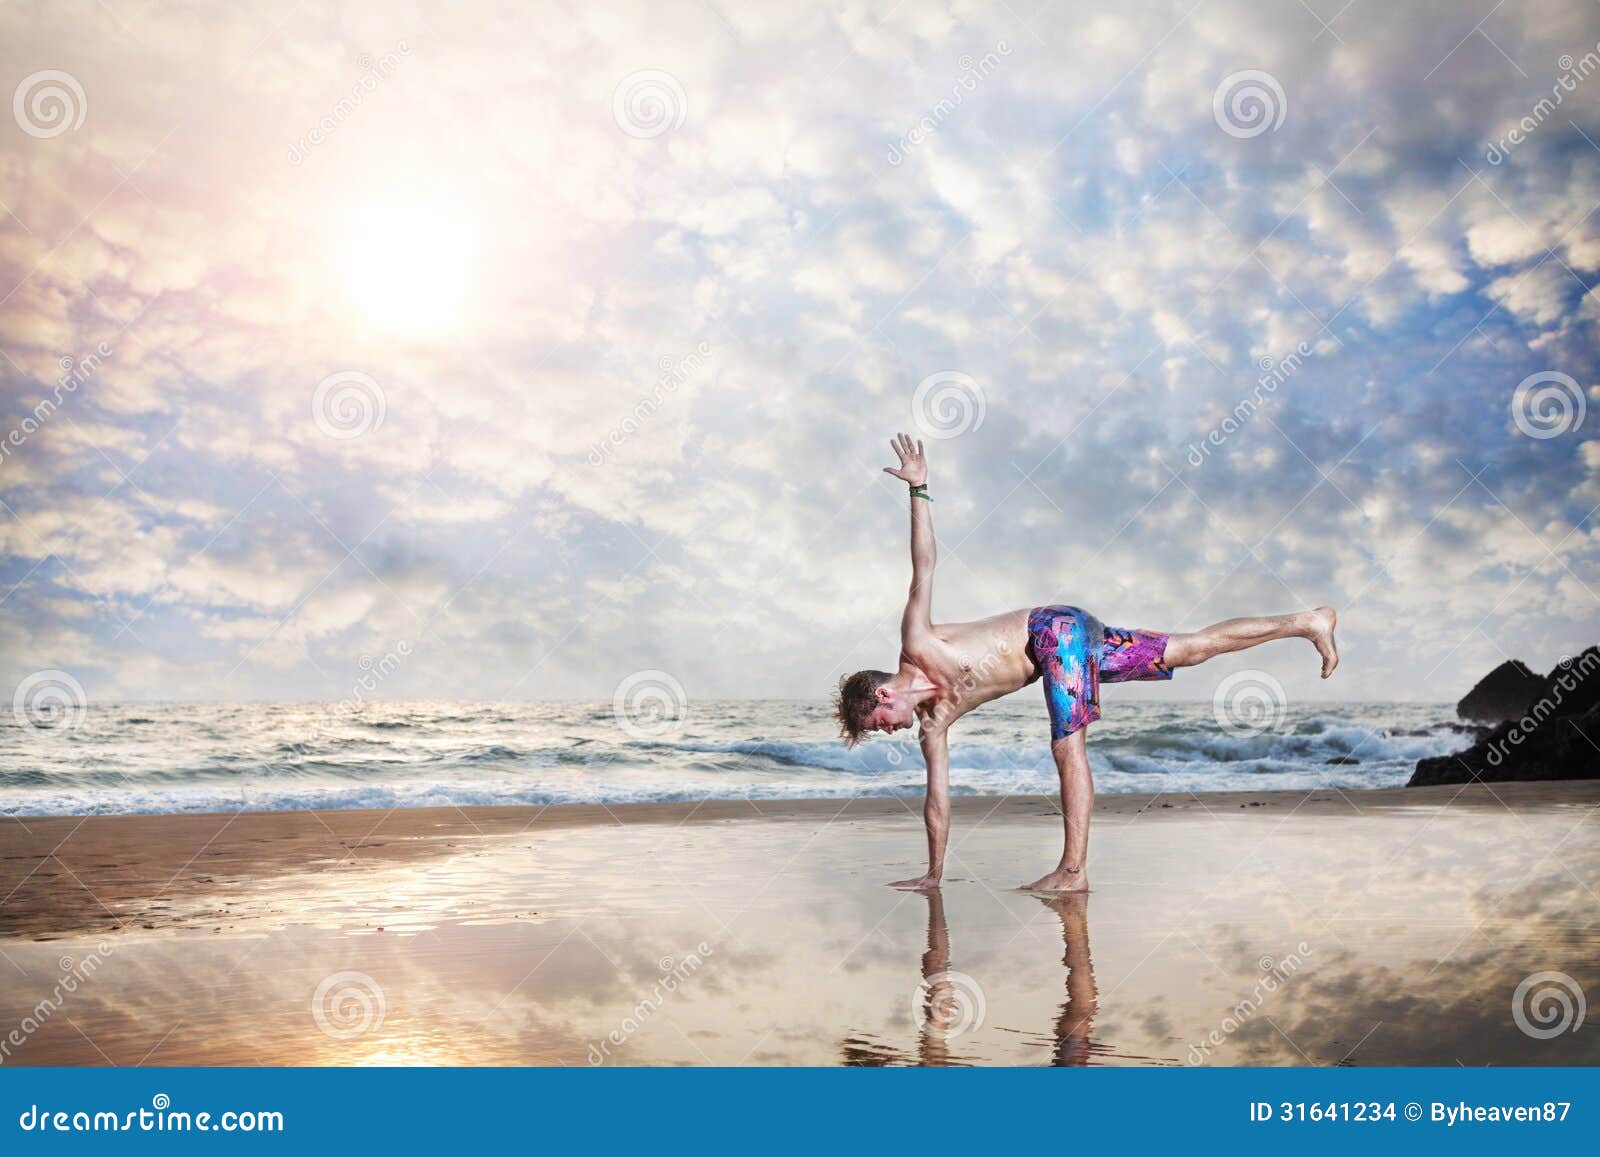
(920, 491)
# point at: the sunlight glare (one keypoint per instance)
(404, 265)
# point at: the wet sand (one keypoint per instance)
(1375, 927)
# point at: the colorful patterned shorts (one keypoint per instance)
(1074, 652)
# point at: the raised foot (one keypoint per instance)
(1323, 622)
(1059, 880)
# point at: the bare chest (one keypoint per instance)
(982, 659)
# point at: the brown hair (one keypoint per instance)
(854, 701)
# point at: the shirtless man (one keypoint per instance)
(947, 669)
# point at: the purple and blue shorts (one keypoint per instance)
(1074, 653)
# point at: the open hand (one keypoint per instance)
(913, 466)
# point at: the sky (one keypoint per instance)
(511, 350)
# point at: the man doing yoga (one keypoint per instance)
(947, 669)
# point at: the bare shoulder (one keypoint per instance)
(925, 647)
(915, 637)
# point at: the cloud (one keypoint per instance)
(629, 394)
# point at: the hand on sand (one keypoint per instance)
(913, 466)
(919, 884)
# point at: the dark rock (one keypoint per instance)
(1573, 688)
(1561, 747)
(1342, 759)
(1554, 735)
(1501, 694)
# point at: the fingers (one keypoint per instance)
(905, 448)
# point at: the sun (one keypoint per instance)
(405, 266)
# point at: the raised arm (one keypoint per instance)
(935, 807)
(913, 469)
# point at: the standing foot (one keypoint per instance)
(1323, 621)
(1060, 880)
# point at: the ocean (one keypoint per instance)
(180, 757)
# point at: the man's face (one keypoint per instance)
(891, 714)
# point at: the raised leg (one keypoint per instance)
(1186, 650)
(1077, 804)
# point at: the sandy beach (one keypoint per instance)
(1287, 928)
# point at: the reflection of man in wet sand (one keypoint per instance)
(951, 1002)
(1083, 1000)
(941, 999)
(947, 669)
(947, 1004)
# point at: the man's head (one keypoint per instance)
(866, 702)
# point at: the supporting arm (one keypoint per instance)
(935, 808)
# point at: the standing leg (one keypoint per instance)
(1237, 634)
(1077, 803)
